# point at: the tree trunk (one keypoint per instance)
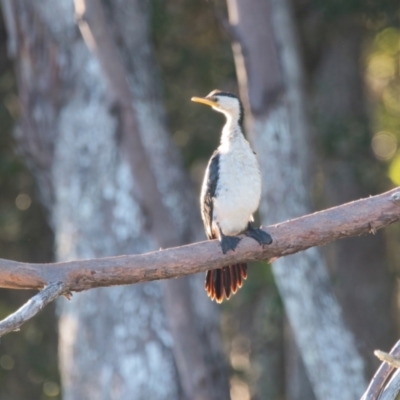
(87, 120)
(271, 79)
(341, 115)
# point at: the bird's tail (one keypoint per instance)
(223, 282)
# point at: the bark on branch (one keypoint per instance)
(14, 321)
(351, 219)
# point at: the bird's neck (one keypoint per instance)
(232, 130)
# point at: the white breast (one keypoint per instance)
(238, 191)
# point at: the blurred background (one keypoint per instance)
(350, 55)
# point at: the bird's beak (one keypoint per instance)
(204, 100)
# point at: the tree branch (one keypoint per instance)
(32, 307)
(391, 387)
(389, 358)
(391, 390)
(351, 219)
(381, 377)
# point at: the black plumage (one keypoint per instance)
(207, 199)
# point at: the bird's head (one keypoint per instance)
(224, 102)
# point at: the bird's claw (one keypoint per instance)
(259, 235)
(229, 243)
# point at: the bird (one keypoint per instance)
(230, 194)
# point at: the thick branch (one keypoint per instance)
(351, 219)
(356, 218)
(32, 307)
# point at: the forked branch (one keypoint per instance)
(14, 321)
(351, 219)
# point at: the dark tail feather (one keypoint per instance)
(223, 282)
(227, 281)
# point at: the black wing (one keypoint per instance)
(208, 192)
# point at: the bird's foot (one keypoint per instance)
(259, 235)
(229, 243)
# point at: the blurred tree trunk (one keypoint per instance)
(344, 132)
(93, 131)
(271, 80)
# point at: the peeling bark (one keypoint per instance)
(75, 132)
(341, 115)
(280, 134)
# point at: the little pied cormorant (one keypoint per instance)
(230, 194)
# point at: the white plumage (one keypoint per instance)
(238, 190)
